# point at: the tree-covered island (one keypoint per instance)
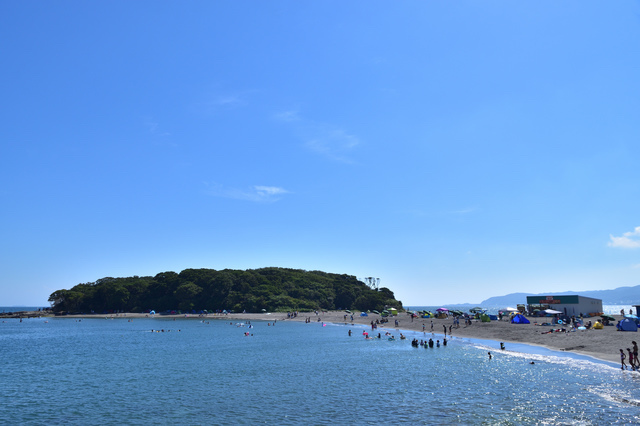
(271, 289)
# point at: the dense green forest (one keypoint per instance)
(271, 289)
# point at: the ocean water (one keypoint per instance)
(112, 371)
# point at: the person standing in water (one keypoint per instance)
(622, 358)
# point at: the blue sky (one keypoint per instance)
(456, 150)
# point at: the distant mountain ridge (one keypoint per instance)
(617, 296)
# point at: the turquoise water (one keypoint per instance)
(98, 371)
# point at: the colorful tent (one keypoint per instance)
(598, 325)
(519, 319)
(627, 324)
(485, 318)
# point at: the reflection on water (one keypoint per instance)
(114, 371)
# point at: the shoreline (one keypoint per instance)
(601, 344)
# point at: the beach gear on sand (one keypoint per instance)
(519, 319)
(627, 324)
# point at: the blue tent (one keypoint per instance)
(627, 324)
(363, 314)
(519, 319)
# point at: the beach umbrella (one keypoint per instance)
(376, 312)
(551, 311)
(442, 310)
(347, 311)
(631, 316)
(264, 310)
(607, 317)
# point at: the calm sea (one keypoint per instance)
(101, 371)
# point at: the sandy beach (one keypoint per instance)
(602, 344)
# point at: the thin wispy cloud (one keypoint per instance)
(229, 101)
(287, 116)
(217, 103)
(154, 128)
(329, 141)
(334, 144)
(269, 190)
(628, 240)
(257, 193)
